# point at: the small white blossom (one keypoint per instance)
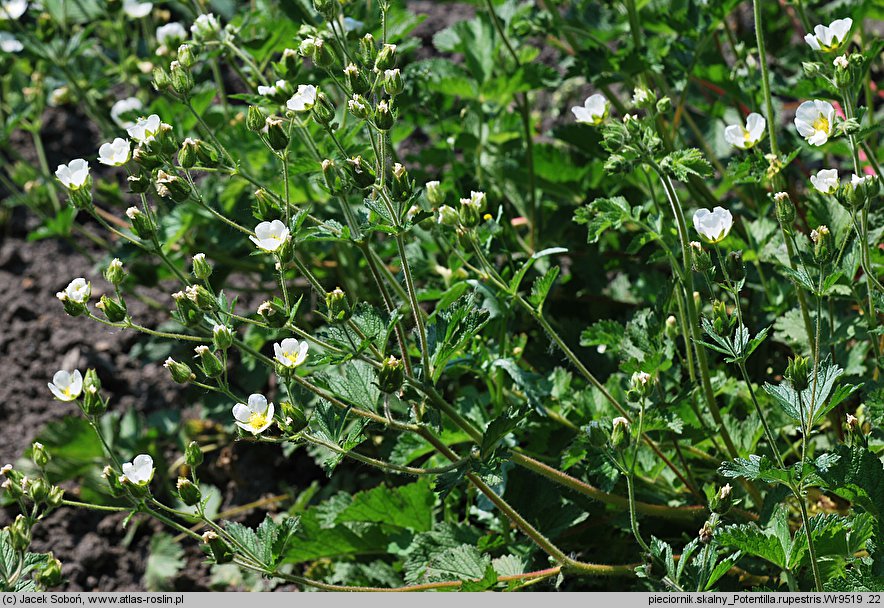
(145, 129)
(115, 153)
(303, 100)
(829, 38)
(841, 62)
(746, 137)
(270, 236)
(9, 43)
(255, 417)
(356, 105)
(139, 472)
(205, 27)
(290, 352)
(135, 9)
(641, 378)
(125, 106)
(170, 33)
(639, 96)
(815, 121)
(66, 386)
(6, 468)
(74, 174)
(132, 212)
(77, 291)
(713, 225)
(856, 180)
(825, 181)
(593, 111)
(12, 9)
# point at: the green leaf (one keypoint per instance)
(450, 329)
(409, 506)
(752, 540)
(755, 467)
(603, 214)
(813, 399)
(542, 285)
(517, 278)
(355, 384)
(458, 563)
(164, 562)
(682, 163)
(857, 476)
(330, 423)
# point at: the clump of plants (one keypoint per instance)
(533, 341)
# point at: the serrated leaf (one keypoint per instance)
(542, 285)
(409, 506)
(755, 467)
(603, 214)
(682, 163)
(459, 563)
(165, 560)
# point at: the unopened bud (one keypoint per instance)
(255, 119)
(276, 135)
(114, 309)
(193, 455)
(202, 269)
(188, 492)
(338, 307)
(210, 364)
(391, 375)
(620, 433)
(39, 454)
(222, 337)
(181, 372)
(114, 273)
(722, 501)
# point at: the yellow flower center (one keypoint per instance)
(821, 124)
(292, 356)
(257, 420)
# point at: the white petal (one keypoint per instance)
(257, 403)
(811, 40)
(241, 412)
(733, 135)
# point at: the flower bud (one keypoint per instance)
(323, 54)
(367, 50)
(202, 269)
(20, 533)
(38, 490)
(798, 372)
(447, 216)
(39, 454)
(434, 193)
(785, 209)
(331, 176)
(161, 79)
(722, 322)
(172, 187)
(664, 104)
(55, 497)
(843, 73)
(138, 184)
(644, 98)
(393, 84)
(326, 8)
(358, 107)
(273, 313)
(386, 58)
(188, 313)
(221, 553)
(182, 80)
(200, 296)
(81, 198)
(276, 135)
(822, 243)
(723, 500)
(356, 80)
(294, 417)
(290, 62)
(811, 69)
(265, 206)
(93, 404)
(735, 267)
(641, 385)
(700, 259)
(186, 56)
(255, 119)
(114, 309)
(671, 326)
(383, 116)
(13, 488)
(403, 187)
(115, 488)
(146, 158)
(338, 307)
(188, 492)
(361, 172)
(620, 433)
(323, 110)
(114, 273)
(210, 364)
(50, 574)
(391, 375)
(705, 534)
(222, 337)
(193, 455)
(181, 372)
(187, 154)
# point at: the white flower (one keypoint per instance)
(125, 106)
(641, 378)
(841, 62)
(132, 212)
(135, 9)
(140, 471)
(291, 352)
(856, 180)
(115, 153)
(9, 43)
(639, 96)
(269, 236)
(815, 121)
(825, 181)
(254, 417)
(6, 468)
(77, 291)
(74, 174)
(593, 111)
(173, 31)
(66, 386)
(205, 27)
(145, 129)
(12, 9)
(748, 136)
(829, 38)
(713, 225)
(303, 100)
